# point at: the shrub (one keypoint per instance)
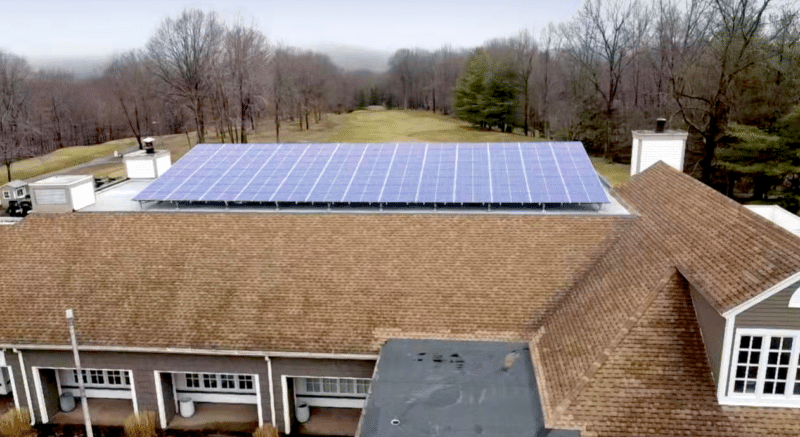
(266, 431)
(16, 423)
(141, 425)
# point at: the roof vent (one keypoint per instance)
(661, 123)
(149, 145)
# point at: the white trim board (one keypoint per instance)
(287, 422)
(162, 410)
(273, 419)
(725, 359)
(37, 383)
(257, 385)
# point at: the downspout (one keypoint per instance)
(25, 383)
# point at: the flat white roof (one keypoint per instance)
(119, 198)
(63, 180)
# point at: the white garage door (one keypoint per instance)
(51, 196)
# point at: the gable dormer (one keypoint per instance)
(754, 349)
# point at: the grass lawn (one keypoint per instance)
(355, 127)
(615, 173)
(412, 126)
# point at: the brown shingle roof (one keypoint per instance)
(317, 283)
(656, 382)
(732, 253)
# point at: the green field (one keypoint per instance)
(355, 127)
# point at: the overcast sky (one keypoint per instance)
(66, 28)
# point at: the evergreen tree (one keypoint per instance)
(499, 99)
(470, 89)
(764, 162)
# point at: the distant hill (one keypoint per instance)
(353, 58)
(82, 67)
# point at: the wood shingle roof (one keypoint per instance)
(733, 254)
(289, 282)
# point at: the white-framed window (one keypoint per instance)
(6, 195)
(209, 380)
(216, 382)
(99, 378)
(227, 381)
(354, 387)
(766, 365)
(20, 192)
(245, 382)
(193, 380)
(362, 386)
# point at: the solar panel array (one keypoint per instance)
(382, 173)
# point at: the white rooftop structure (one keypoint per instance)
(779, 216)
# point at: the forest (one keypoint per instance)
(728, 71)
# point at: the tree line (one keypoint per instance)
(712, 67)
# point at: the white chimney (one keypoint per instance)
(148, 163)
(650, 147)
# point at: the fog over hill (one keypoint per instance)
(81, 66)
(351, 58)
(348, 58)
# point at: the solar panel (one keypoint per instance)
(526, 173)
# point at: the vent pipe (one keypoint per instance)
(660, 124)
(149, 145)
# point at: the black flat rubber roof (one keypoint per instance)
(454, 388)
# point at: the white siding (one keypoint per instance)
(140, 169)
(162, 164)
(669, 151)
(82, 195)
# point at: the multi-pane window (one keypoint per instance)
(209, 380)
(96, 377)
(333, 386)
(103, 378)
(362, 386)
(114, 377)
(780, 352)
(193, 380)
(766, 364)
(227, 381)
(747, 364)
(245, 382)
(313, 385)
(330, 385)
(75, 376)
(347, 385)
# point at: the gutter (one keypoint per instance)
(190, 351)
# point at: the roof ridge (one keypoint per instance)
(603, 355)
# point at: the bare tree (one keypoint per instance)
(524, 53)
(602, 40)
(14, 72)
(132, 87)
(246, 60)
(706, 64)
(185, 52)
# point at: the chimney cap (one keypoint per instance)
(660, 124)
